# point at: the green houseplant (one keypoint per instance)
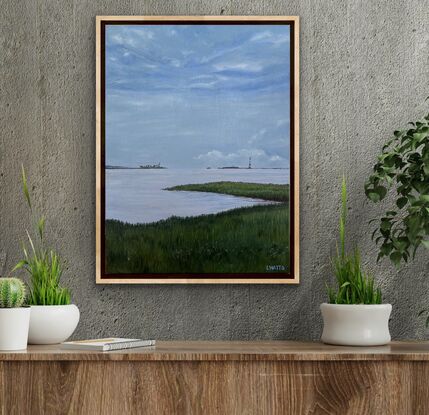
(354, 286)
(355, 314)
(53, 317)
(403, 165)
(14, 319)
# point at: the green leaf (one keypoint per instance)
(402, 244)
(25, 187)
(391, 213)
(396, 257)
(401, 202)
(381, 190)
(419, 136)
(386, 249)
(374, 196)
(385, 225)
(425, 243)
(19, 265)
(41, 227)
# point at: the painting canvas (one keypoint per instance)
(197, 145)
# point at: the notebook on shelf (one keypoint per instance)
(105, 345)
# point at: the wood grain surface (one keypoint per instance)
(230, 351)
(212, 379)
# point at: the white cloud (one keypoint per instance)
(207, 81)
(203, 76)
(203, 85)
(261, 36)
(279, 40)
(242, 66)
(211, 155)
(131, 37)
(281, 122)
(176, 63)
(240, 158)
(143, 33)
(120, 39)
(257, 136)
(219, 54)
(269, 37)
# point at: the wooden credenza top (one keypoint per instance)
(231, 351)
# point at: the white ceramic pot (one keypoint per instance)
(14, 324)
(356, 325)
(50, 324)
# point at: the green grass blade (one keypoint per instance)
(25, 187)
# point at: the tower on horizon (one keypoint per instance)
(250, 163)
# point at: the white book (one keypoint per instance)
(105, 345)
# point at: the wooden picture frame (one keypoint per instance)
(274, 277)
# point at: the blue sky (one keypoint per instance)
(197, 95)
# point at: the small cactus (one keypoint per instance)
(12, 292)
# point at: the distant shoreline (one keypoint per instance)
(246, 168)
(133, 168)
(200, 168)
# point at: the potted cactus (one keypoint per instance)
(14, 318)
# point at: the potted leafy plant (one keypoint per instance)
(355, 315)
(403, 165)
(53, 317)
(14, 318)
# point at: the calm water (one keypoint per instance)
(137, 196)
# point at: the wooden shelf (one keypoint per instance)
(230, 351)
(258, 377)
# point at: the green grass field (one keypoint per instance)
(274, 192)
(244, 240)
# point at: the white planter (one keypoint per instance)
(50, 324)
(14, 324)
(356, 325)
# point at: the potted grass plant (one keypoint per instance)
(355, 315)
(14, 318)
(53, 317)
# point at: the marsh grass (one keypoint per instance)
(244, 240)
(272, 192)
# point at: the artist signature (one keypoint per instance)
(275, 268)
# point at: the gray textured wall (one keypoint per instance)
(364, 72)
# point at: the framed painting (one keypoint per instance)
(197, 124)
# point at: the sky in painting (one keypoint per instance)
(196, 96)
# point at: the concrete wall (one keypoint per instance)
(364, 73)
